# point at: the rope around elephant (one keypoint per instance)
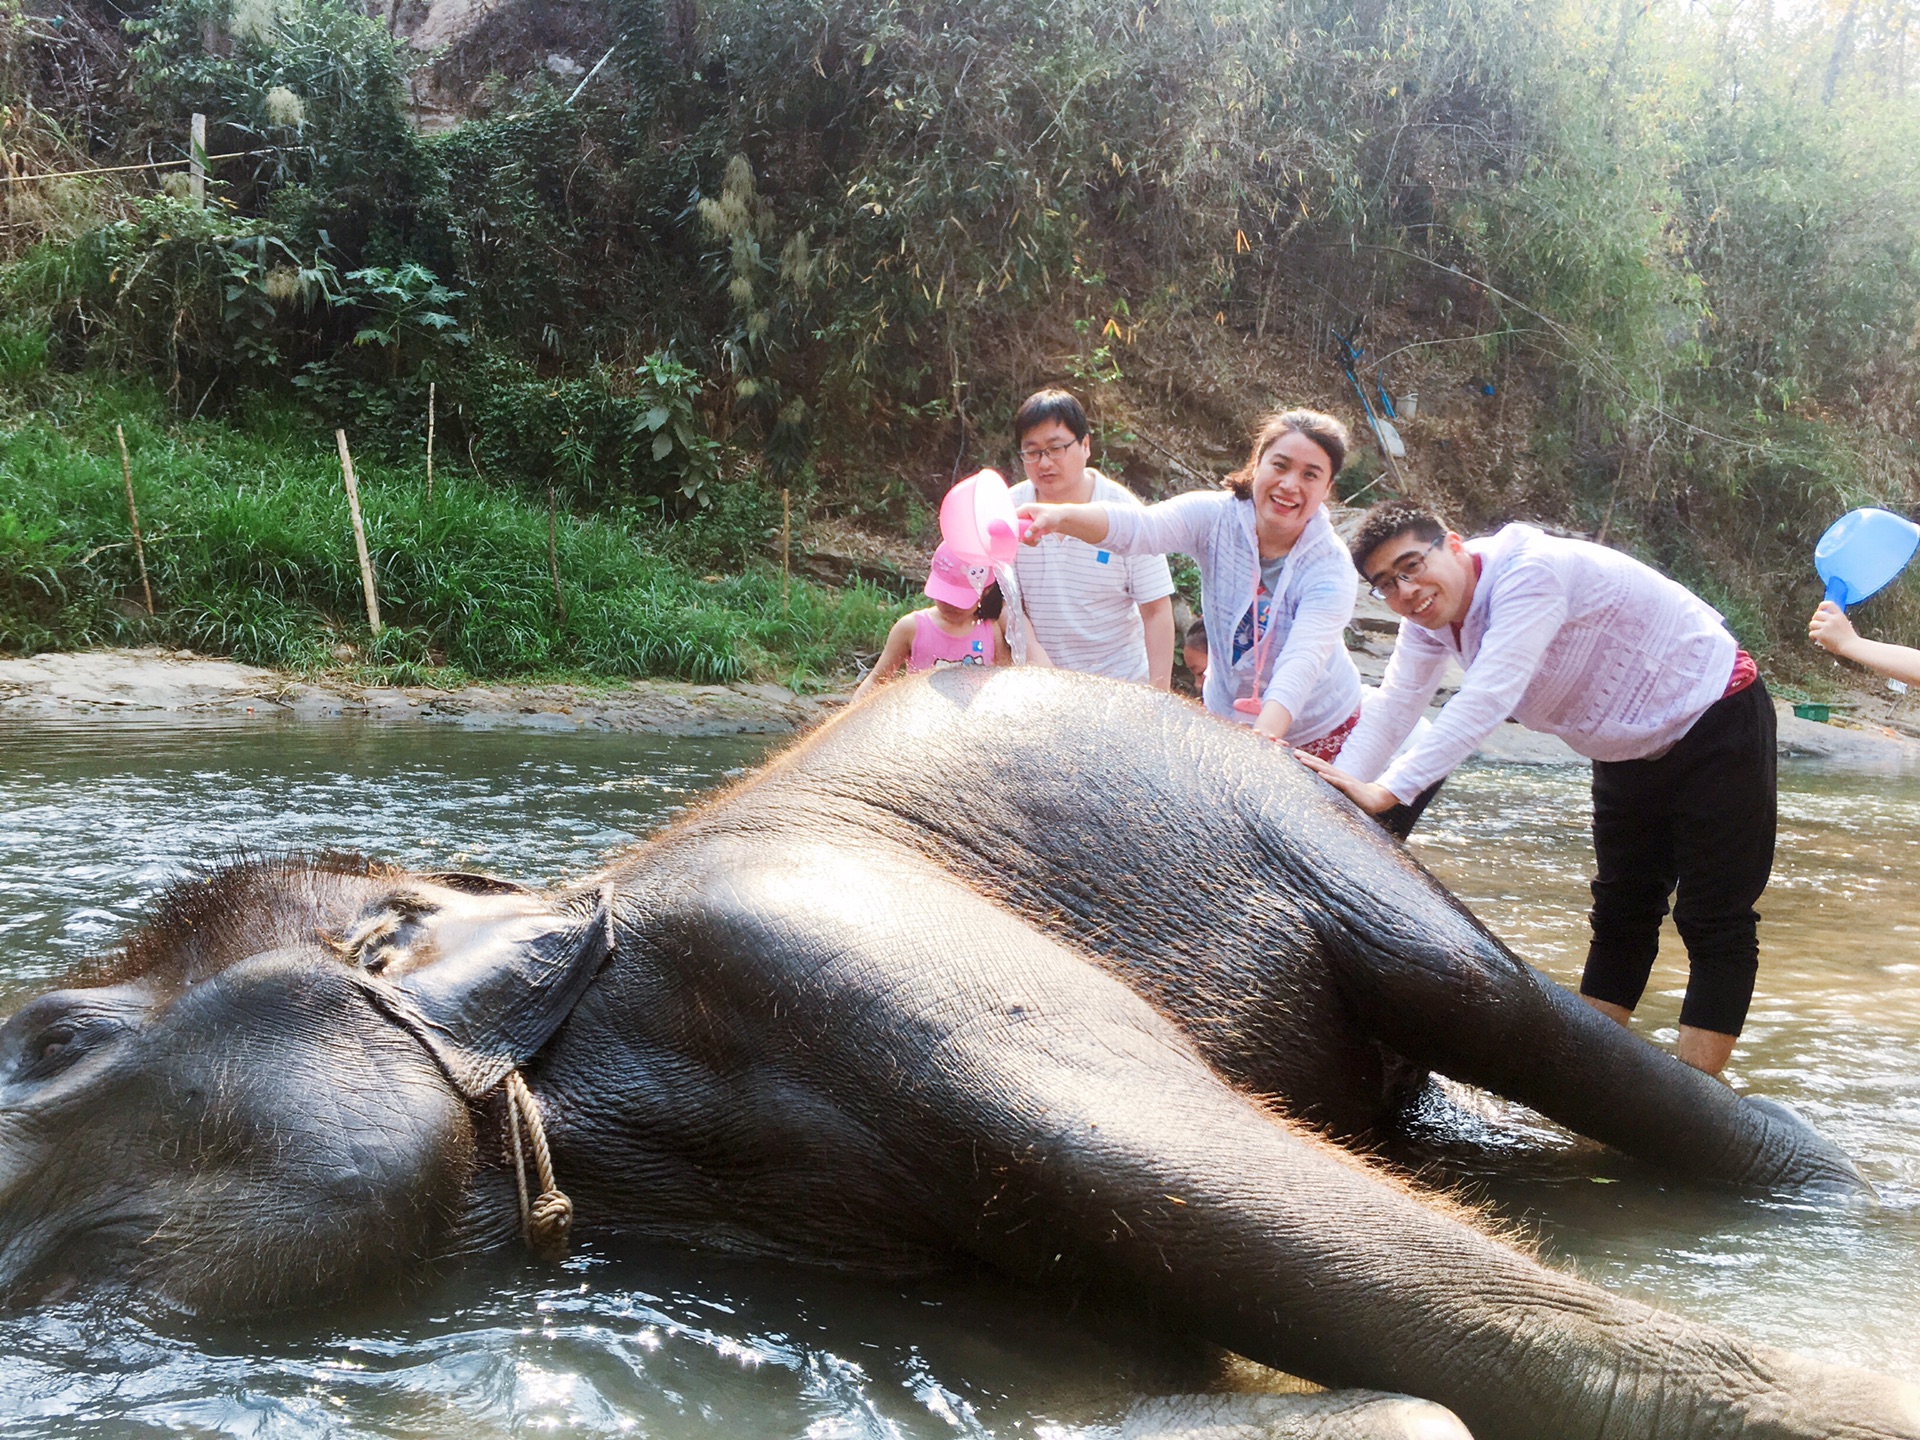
(546, 1220)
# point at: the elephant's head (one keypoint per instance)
(269, 1097)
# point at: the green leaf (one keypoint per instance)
(662, 446)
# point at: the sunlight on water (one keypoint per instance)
(94, 817)
(1834, 1031)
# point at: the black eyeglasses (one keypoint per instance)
(1051, 452)
(1385, 585)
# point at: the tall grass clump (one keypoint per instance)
(250, 554)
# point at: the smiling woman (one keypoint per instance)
(1275, 585)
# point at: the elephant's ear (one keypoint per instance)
(481, 981)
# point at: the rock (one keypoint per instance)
(1856, 748)
(772, 694)
(1329, 1415)
(1513, 744)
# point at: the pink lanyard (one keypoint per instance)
(1253, 704)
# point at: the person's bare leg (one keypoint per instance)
(1705, 1050)
(1611, 1010)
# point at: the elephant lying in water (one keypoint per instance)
(992, 970)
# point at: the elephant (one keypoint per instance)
(1013, 969)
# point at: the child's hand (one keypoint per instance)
(1830, 629)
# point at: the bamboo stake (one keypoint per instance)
(139, 548)
(553, 553)
(430, 385)
(359, 534)
(786, 531)
(197, 159)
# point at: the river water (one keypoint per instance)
(94, 816)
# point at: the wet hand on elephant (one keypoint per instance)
(1274, 721)
(1369, 795)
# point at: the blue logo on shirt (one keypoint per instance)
(1244, 632)
(1101, 557)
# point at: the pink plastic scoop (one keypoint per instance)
(977, 520)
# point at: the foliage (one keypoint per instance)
(316, 85)
(250, 554)
(405, 310)
(603, 436)
(179, 290)
(838, 239)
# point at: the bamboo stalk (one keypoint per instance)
(786, 532)
(553, 552)
(430, 385)
(139, 547)
(359, 534)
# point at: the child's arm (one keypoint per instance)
(1002, 651)
(892, 655)
(1831, 630)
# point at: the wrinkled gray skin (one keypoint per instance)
(989, 971)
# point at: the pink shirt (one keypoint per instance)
(1567, 637)
(934, 647)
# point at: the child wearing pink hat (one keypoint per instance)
(963, 626)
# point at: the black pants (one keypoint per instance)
(1399, 820)
(1700, 818)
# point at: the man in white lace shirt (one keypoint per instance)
(1633, 671)
(1091, 609)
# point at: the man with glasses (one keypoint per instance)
(1092, 610)
(1633, 671)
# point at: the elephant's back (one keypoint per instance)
(1185, 855)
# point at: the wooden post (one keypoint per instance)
(786, 533)
(553, 553)
(359, 534)
(197, 160)
(139, 548)
(430, 385)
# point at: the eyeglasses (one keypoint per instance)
(1052, 452)
(1386, 585)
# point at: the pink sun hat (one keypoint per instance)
(951, 580)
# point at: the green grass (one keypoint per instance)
(250, 553)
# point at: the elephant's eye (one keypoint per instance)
(59, 1046)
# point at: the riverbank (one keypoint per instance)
(180, 684)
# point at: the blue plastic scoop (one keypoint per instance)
(1862, 552)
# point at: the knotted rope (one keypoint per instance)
(546, 1219)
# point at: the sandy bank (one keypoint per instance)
(159, 683)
